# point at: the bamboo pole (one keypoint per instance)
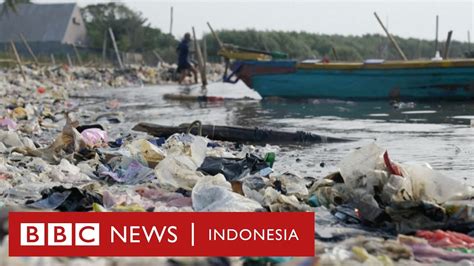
(390, 37)
(446, 46)
(69, 60)
(436, 40)
(104, 49)
(18, 60)
(29, 48)
(119, 59)
(221, 44)
(53, 60)
(79, 59)
(469, 40)
(202, 68)
(171, 21)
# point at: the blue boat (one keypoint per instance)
(372, 79)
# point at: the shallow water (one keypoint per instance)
(439, 133)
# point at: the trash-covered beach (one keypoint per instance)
(398, 192)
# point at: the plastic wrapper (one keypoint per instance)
(146, 151)
(8, 124)
(278, 202)
(94, 137)
(126, 170)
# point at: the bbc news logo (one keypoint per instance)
(59, 234)
(161, 234)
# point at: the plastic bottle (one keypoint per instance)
(270, 158)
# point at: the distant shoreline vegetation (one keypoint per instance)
(135, 34)
(304, 45)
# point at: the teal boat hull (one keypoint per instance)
(450, 83)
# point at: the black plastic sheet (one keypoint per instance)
(66, 199)
(233, 169)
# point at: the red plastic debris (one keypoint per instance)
(392, 168)
(446, 239)
(41, 90)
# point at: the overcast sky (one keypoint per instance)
(405, 18)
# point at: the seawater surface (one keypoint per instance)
(438, 132)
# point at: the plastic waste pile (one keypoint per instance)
(43, 78)
(372, 189)
(82, 169)
(402, 250)
(52, 161)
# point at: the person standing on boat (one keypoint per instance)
(184, 65)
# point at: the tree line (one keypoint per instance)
(132, 31)
(134, 34)
(304, 45)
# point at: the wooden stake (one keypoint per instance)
(221, 44)
(160, 59)
(204, 50)
(69, 60)
(18, 60)
(264, 45)
(171, 21)
(29, 48)
(436, 40)
(334, 52)
(119, 59)
(79, 60)
(446, 46)
(418, 49)
(390, 37)
(53, 60)
(201, 65)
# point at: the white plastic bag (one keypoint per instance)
(358, 168)
(175, 172)
(430, 185)
(185, 153)
(214, 194)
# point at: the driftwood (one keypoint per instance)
(238, 134)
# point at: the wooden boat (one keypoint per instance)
(372, 79)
